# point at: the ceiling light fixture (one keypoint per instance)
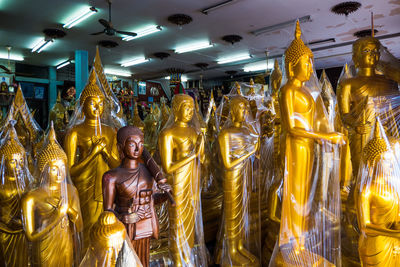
(118, 72)
(259, 66)
(167, 77)
(233, 58)
(193, 47)
(63, 64)
(281, 25)
(41, 45)
(84, 14)
(135, 61)
(143, 32)
(11, 57)
(219, 5)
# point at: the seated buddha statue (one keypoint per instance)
(51, 212)
(377, 200)
(91, 150)
(299, 243)
(13, 184)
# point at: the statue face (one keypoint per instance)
(14, 165)
(303, 69)
(57, 171)
(367, 56)
(185, 113)
(133, 148)
(93, 107)
(239, 112)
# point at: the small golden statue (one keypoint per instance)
(59, 116)
(91, 150)
(236, 147)
(299, 115)
(136, 121)
(150, 130)
(13, 184)
(108, 244)
(181, 150)
(51, 213)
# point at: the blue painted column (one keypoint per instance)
(81, 70)
(52, 86)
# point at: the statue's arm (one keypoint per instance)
(344, 101)
(74, 211)
(113, 156)
(109, 191)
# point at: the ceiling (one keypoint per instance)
(22, 23)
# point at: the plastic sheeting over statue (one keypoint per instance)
(309, 232)
(181, 146)
(15, 180)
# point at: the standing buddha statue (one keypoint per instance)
(51, 212)
(13, 184)
(59, 116)
(150, 131)
(136, 121)
(91, 150)
(299, 115)
(181, 150)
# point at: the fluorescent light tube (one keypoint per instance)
(86, 13)
(258, 66)
(167, 77)
(233, 58)
(193, 47)
(38, 45)
(219, 5)
(184, 79)
(62, 65)
(118, 72)
(135, 61)
(143, 32)
(47, 44)
(281, 25)
(12, 57)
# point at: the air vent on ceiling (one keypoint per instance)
(365, 33)
(180, 19)
(346, 8)
(232, 38)
(201, 65)
(161, 55)
(54, 33)
(108, 43)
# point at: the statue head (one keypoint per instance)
(130, 142)
(53, 159)
(92, 98)
(276, 77)
(298, 58)
(107, 237)
(366, 52)
(376, 147)
(238, 107)
(183, 107)
(13, 154)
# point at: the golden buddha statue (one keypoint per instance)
(236, 147)
(150, 130)
(51, 213)
(91, 150)
(302, 127)
(377, 197)
(210, 108)
(251, 94)
(165, 113)
(181, 150)
(108, 245)
(199, 116)
(136, 120)
(59, 116)
(13, 184)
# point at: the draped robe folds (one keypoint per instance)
(13, 243)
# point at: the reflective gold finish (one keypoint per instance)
(180, 148)
(13, 243)
(91, 150)
(51, 212)
(59, 116)
(150, 130)
(378, 205)
(234, 148)
(136, 120)
(251, 94)
(300, 132)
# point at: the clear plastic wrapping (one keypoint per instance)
(181, 148)
(90, 145)
(51, 212)
(15, 180)
(109, 245)
(310, 219)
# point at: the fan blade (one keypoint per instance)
(6, 70)
(105, 23)
(97, 33)
(127, 33)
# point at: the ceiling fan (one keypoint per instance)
(7, 69)
(108, 27)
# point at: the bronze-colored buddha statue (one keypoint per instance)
(13, 184)
(51, 213)
(91, 150)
